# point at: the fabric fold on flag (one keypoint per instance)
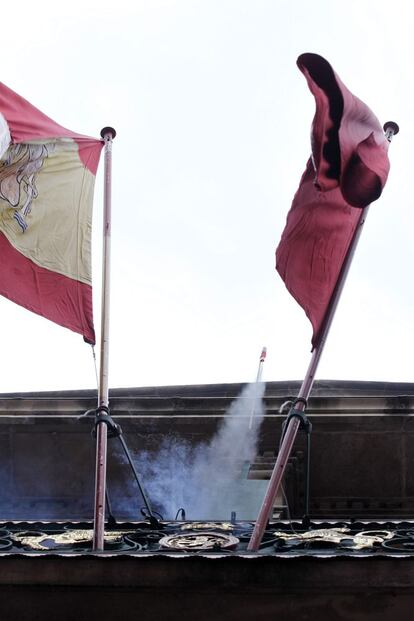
(47, 176)
(347, 171)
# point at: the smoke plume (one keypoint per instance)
(207, 479)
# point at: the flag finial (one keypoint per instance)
(108, 130)
(390, 129)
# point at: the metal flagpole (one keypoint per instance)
(296, 415)
(108, 134)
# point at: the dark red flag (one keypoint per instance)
(346, 172)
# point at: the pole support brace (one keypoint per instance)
(305, 423)
(102, 415)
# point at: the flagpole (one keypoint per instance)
(296, 415)
(108, 134)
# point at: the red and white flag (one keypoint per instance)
(346, 172)
(47, 176)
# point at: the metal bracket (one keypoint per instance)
(102, 415)
(305, 423)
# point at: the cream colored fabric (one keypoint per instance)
(46, 188)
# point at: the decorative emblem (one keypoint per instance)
(199, 541)
(59, 540)
(358, 541)
(208, 525)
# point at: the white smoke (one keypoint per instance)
(207, 479)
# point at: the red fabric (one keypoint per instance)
(27, 123)
(63, 300)
(347, 171)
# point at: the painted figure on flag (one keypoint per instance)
(18, 172)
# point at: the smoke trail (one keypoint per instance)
(206, 479)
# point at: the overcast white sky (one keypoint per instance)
(213, 122)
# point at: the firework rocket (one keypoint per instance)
(258, 379)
